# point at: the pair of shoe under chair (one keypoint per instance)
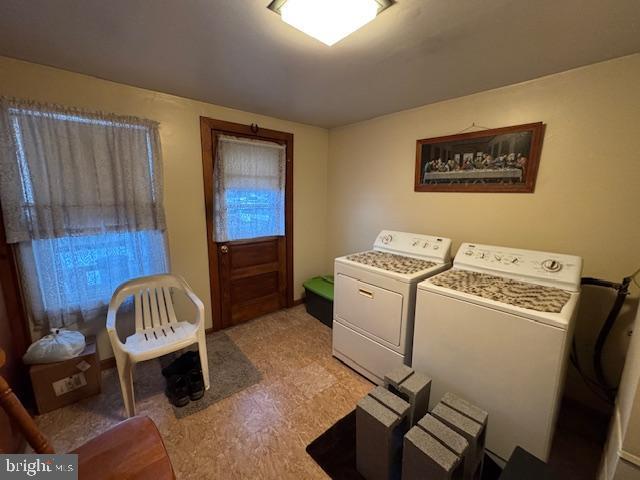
(184, 379)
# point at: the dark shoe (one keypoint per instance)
(177, 390)
(183, 364)
(196, 384)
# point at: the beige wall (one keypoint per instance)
(588, 190)
(587, 196)
(180, 133)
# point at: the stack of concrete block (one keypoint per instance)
(413, 387)
(470, 422)
(381, 423)
(424, 457)
(434, 451)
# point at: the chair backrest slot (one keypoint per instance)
(146, 309)
(138, 310)
(169, 302)
(155, 315)
(162, 305)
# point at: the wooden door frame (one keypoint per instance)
(207, 128)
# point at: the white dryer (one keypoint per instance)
(496, 329)
(374, 300)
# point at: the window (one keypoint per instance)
(76, 276)
(249, 178)
(82, 200)
(251, 213)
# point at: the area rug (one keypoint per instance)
(335, 452)
(230, 372)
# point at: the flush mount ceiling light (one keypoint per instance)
(328, 20)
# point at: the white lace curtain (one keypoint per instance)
(66, 172)
(249, 182)
(82, 197)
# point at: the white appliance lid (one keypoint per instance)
(554, 319)
(426, 247)
(542, 268)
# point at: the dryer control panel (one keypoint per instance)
(437, 249)
(551, 269)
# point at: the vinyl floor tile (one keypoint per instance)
(258, 433)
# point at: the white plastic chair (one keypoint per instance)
(158, 331)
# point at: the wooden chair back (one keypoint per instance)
(19, 415)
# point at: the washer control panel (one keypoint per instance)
(552, 269)
(417, 245)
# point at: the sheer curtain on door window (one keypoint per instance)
(82, 200)
(249, 183)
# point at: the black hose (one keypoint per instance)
(601, 283)
(623, 291)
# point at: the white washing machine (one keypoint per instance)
(496, 329)
(374, 300)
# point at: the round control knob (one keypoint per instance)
(480, 255)
(551, 265)
(469, 252)
(386, 239)
(498, 257)
(436, 247)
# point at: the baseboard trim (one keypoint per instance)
(108, 363)
(629, 457)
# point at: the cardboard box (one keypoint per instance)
(62, 383)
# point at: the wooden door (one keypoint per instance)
(253, 276)
(250, 277)
(14, 339)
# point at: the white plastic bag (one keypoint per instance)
(60, 345)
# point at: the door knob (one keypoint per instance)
(224, 249)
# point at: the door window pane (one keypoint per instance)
(251, 213)
(249, 182)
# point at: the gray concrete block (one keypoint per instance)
(465, 407)
(471, 430)
(465, 426)
(476, 413)
(382, 414)
(413, 387)
(452, 440)
(397, 376)
(416, 389)
(424, 457)
(379, 435)
(390, 400)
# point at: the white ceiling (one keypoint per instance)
(239, 54)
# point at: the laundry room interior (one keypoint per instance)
(267, 240)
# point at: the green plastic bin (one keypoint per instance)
(319, 298)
